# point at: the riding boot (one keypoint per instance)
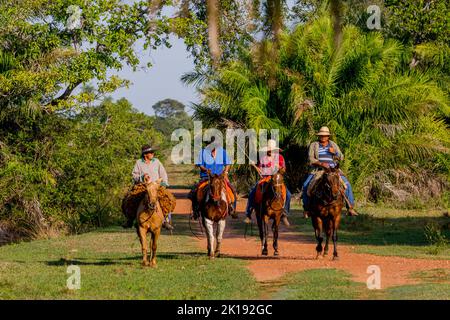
(195, 209)
(232, 212)
(167, 225)
(350, 210)
(285, 220)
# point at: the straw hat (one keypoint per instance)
(271, 145)
(324, 131)
(147, 148)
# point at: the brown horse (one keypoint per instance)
(214, 209)
(326, 207)
(271, 207)
(150, 218)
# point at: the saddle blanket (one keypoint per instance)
(260, 188)
(201, 189)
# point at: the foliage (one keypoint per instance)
(419, 21)
(434, 236)
(78, 172)
(170, 115)
(387, 121)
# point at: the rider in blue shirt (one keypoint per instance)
(214, 159)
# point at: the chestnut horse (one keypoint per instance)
(271, 207)
(326, 207)
(150, 218)
(214, 209)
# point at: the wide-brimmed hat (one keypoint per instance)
(147, 148)
(324, 131)
(271, 146)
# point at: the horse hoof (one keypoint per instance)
(276, 253)
(325, 254)
(335, 258)
(264, 252)
(145, 264)
(319, 256)
(211, 257)
(217, 254)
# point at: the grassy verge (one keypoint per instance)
(332, 284)
(388, 232)
(109, 262)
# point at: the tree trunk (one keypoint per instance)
(336, 18)
(212, 8)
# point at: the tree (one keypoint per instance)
(388, 121)
(170, 115)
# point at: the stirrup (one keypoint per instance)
(168, 226)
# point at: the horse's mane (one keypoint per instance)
(131, 202)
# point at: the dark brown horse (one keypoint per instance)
(214, 209)
(271, 208)
(326, 207)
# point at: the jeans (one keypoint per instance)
(348, 191)
(251, 201)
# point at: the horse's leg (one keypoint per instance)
(275, 226)
(155, 236)
(317, 224)
(209, 227)
(265, 224)
(260, 228)
(219, 235)
(142, 233)
(337, 221)
(328, 225)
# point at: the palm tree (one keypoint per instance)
(386, 121)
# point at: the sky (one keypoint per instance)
(161, 80)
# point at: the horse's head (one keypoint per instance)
(152, 193)
(216, 186)
(277, 183)
(332, 183)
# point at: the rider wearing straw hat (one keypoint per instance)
(267, 166)
(321, 156)
(147, 169)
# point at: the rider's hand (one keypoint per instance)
(147, 178)
(331, 149)
(325, 165)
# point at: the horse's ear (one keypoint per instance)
(282, 170)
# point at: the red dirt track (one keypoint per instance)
(297, 253)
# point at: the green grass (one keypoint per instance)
(319, 284)
(110, 264)
(332, 284)
(387, 232)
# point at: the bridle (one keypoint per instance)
(331, 197)
(274, 185)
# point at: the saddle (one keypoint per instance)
(312, 187)
(201, 192)
(133, 198)
(261, 187)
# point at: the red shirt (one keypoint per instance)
(269, 165)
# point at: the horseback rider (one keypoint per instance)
(147, 169)
(267, 166)
(214, 159)
(321, 155)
